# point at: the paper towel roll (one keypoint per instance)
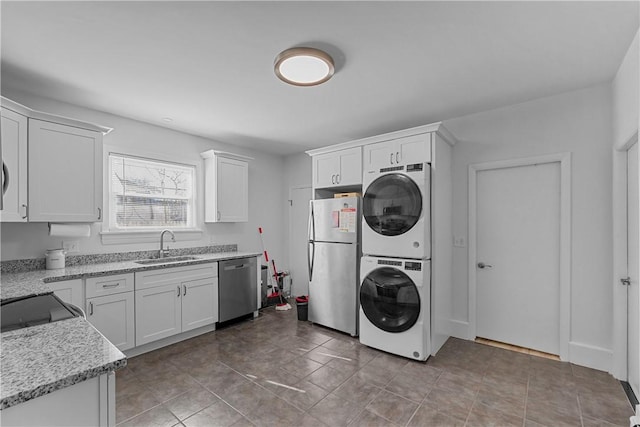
(69, 230)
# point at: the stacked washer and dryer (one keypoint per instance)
(401, 301)
(395, 270)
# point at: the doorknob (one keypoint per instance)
(483, 265)
(626, 281)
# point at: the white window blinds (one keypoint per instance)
(149, 194)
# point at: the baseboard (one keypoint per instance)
(590, 356)
(145, 348)
(459, 329)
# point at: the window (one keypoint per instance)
(146, 194)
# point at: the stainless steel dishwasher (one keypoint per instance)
(238, 288)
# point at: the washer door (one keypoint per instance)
(392, 204)
(390, 299)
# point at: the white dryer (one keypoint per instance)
(396, 208)
(395, 306)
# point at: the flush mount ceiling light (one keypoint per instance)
(304, 66)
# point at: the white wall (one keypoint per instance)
(578, 122)
(267, 199)
(626, 92)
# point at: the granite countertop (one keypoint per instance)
(41, 359)
(13, 285)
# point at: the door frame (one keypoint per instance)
(565, 238)
(619, 360)
(290, 219)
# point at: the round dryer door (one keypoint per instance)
(392, 204)
(390, 299)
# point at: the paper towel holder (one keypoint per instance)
(69, 229)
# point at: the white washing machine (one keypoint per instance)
(395, 301)
(396, 209)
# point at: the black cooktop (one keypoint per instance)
(22, 312)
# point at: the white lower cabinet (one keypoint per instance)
(70, 291)
(110, 308)
(113, 316)
(199, 303)
(158, 313)
(88, 403)
(174, 300)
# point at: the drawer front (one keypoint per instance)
(108, 285)
(163, 276)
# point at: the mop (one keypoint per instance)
(282, 305)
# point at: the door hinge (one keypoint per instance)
(626, 281)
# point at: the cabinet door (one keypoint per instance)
(199, 303)
(70, 291)
(325, 169)
(112, 315)
(414, 149)
(14, 162)
(379, 155)
(350, 167)
(65, 173)
(233, 190)
(158, 312)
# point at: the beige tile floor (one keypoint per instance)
(278, 371)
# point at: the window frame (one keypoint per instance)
(117, 235)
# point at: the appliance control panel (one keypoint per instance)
(416, 167)
(415, 266)
(389, 262)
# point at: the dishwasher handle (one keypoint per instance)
(235, 267)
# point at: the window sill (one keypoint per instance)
(110, 237)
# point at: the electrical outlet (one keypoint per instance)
(459, 242)
(71, 246)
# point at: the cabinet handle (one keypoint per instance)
(26, 211)
(5, 182)
(338, 179)
(391, 158)
(90, 308)
(333, 179)
(178, 291)
(184, 290)
(218, 216)
(112, 285)
(397, 156)
(99, 213)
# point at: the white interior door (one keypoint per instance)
(633, 258)
(518, 256)
(298, 219)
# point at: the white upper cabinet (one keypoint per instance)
(14, 163)
(65, 173)
(395, 152)
(226, 187)
(338, 169)
(52, 166)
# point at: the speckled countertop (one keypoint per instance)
(24, 283)
(42, 359)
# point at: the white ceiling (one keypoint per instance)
(209, 65)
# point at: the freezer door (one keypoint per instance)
(335, 220)
(333, 290)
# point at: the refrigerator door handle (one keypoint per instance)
(311, 254)
(312, 223)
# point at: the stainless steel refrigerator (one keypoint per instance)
(334, 263)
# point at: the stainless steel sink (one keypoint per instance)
(166, 260)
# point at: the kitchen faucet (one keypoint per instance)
(163, 252)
